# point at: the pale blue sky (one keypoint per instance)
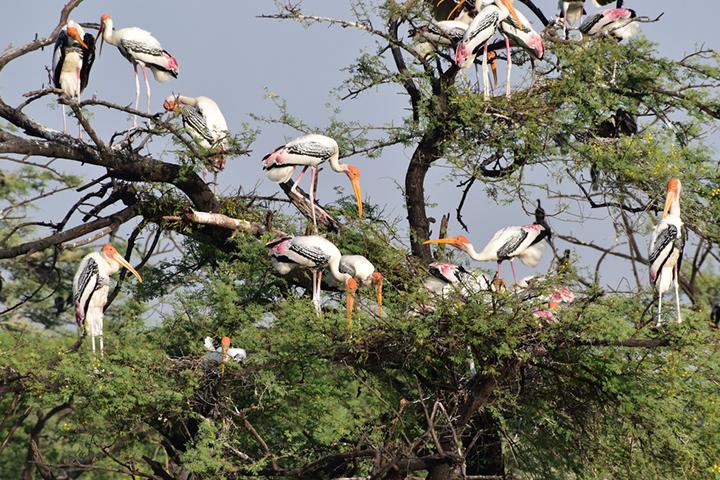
(228, 54)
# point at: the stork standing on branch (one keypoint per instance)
(309, 151)
(666, 248)
(314, 253)
(91, 286)
(508, 243)
(139, 47)
(205, 122)
(73, 57)
(618, 23)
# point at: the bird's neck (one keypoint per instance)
(486, 254)
(111, 266)
(675, 207)
(109, 32)
(336, 165)
(334, 266)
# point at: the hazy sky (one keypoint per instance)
(228, 54)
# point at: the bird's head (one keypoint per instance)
(110, 253)
(350, 289)
(73, 33)
(535, 42)
(353, 174)
(172, 103)
(459, 242)
(673, 194)
(377, 280)
(105, 23)
(225, 342)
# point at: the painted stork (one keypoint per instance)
(445, 276)
(205, 122)
(139, 47)
(314, 253)
(220, 352)
(571, 11)
(666, 247)
(73, 58)
(363, 271)
(618, 23)
(508, 243)
(483, 27)
(445, 33)
(522, 35)
(309, 151)
(91, 286)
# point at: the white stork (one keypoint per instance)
(618, 23)
(91, 286)
(205, 122)
(73, 57)
(445, 276)
(363, 271)
(666, 247)
(314, 253)
(508, 243)
(139, 47)
(309, 151)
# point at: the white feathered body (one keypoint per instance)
(91, 286)
(666, 251)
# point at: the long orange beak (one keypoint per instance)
(455, 241)
(377, 279)
(668, 202)
(452, 12)
(118, 258)
(225, 347)
(100, 37)
(354, 176)
(75, 35)
(508, 4)
(492, 56)
(351, 287)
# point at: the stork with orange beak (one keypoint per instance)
(314, 253)
(508, 243)
(309, 151)
(364, 272)
(91, 286)
(73, 57)
(139, 47)
(666, 248)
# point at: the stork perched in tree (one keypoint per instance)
(508, 243)
(446, 276)
(445, 33)
(618, 23)
(314, 253)
(666, 248)
(139, 47)
(363, 271)
(483, 27)
(73, 57)
(205, 122)
(522, 35)
(309, 151)
(91, 286)
(220, 352)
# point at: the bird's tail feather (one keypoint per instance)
(532, 255)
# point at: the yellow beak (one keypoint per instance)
(508, 4)
(668, 202)
(378, 281)
(350, 287)
(358, 195)
(451, 241)
(125, 264)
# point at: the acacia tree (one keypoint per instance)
(596, 394)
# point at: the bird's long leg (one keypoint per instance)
(93, 343)
(512, 266)
(102, 346)
(657, 324)
(486, 79)
(147, 87)
(297, 180)
(509, 66)
(498, 270)
(64, 114)
(677, 293)
(319, 289)
(565, 9)
(315, 295)
(313, 177)
(137, 94)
